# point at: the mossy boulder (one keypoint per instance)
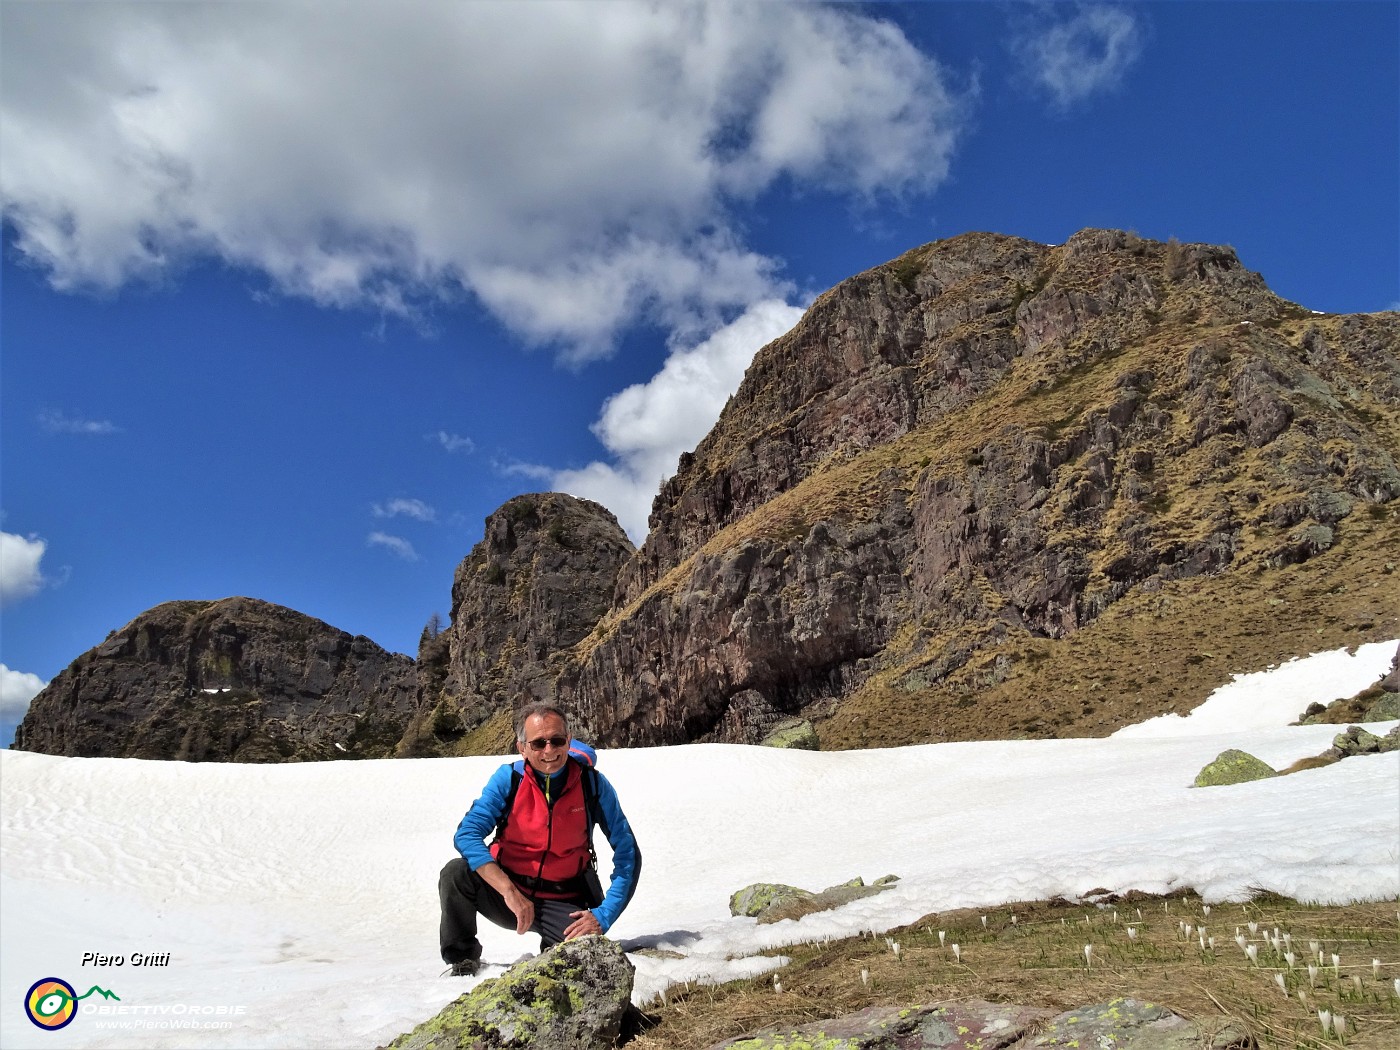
(795, 733)
(572, 997)
(753, 899)
(1233, 767)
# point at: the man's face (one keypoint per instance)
(549, 759)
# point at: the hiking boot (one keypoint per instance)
(463, 968)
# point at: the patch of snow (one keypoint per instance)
(1277, 696)
(304, 895)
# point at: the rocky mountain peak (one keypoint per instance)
(981, 447)
(991, 488)
(537, 583)
(232, 680)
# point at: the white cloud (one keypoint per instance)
(396, 544)
(574, 166)
(20, 575)
(517, 469)
(647, 426)
(405, 508)
(17, 688)
(1074, 57)
(453, 442)
(57, 422)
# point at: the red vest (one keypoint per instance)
(544, 843)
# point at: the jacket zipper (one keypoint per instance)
(549, 827)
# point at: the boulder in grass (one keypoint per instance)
(955, 1026)
(1127, 1024)
(1130, 1023)
(572, 997)
(1234, 767)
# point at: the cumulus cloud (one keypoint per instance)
(574, 167)
(394, 544)
(1073, 57)
(647, 426)
(20, 575)
(405, 508)
(17, 688)
(56, 422)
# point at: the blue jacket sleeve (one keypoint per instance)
(481, 820)
(627, 856)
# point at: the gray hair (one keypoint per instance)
(529, 711)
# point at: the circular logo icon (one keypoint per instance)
(51, 1003)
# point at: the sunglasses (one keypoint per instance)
(541, 742)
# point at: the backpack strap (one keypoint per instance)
(515, 777)
(590, 805)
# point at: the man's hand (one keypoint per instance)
(584, 923)
(523, 907)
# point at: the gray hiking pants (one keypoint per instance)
(465, 894)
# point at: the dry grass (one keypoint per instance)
(495, 736)
(1038, 960)
(1148, 654)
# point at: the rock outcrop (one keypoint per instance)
(573, 997)
(1391, 682)
(537, 583)
(962, 457)
(1358, 741)
(973, 1024)
(1376, 703)
(235, 680)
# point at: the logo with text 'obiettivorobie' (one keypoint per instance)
(52, 1003)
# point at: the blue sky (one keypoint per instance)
(295, 296)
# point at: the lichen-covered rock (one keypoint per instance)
(772, 902)
(1383, 708)
(794, 733)
(753, 899)
(1129, 1024)
(968, 1025)
(1356, 741)
(572, 997)
(1233, 767)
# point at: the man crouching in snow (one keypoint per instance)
(539, 872)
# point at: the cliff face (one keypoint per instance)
(978, 450)
(233, 680)
(536, 584)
